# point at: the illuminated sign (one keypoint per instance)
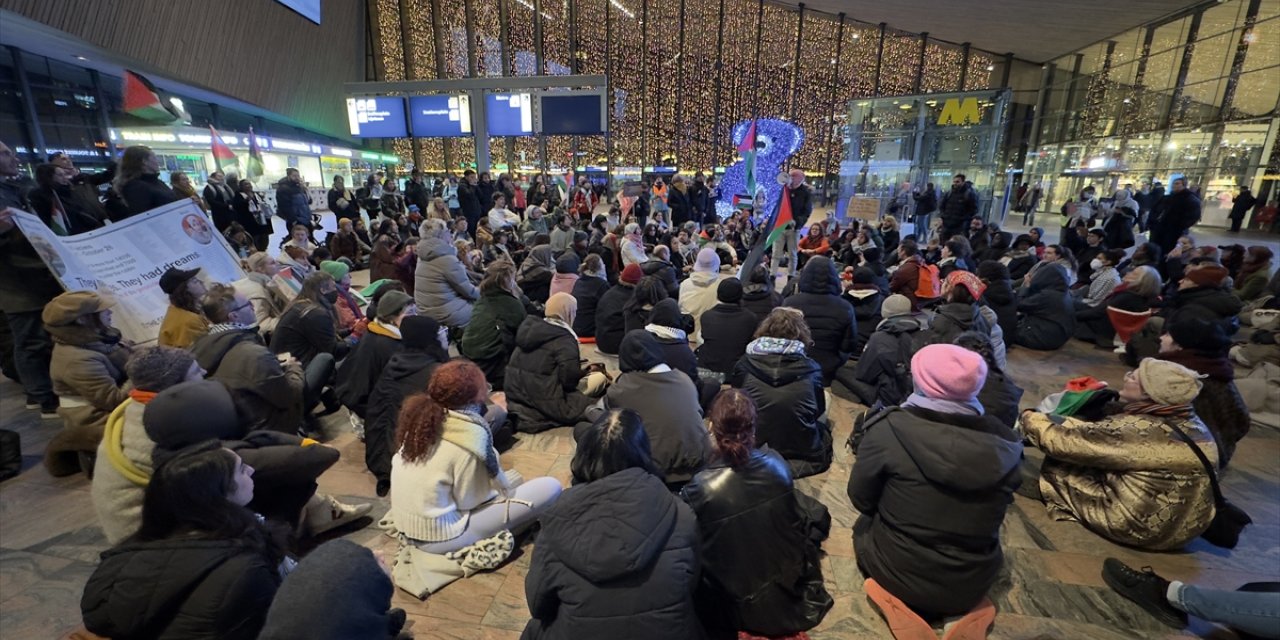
(955, 112)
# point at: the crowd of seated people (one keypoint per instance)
(205, 449)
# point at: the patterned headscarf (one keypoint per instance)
(959, 278)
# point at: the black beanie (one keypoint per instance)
(993, 271)
(863, 275)
(639, 352)
(418, 332)
(191, 412)
(729, 291)
(568, 263)
(1197, 329)
(666, 314)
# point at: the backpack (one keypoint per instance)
(929, 286)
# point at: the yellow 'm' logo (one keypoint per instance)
(960, 113)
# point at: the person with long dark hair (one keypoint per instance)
(635, 313)
(747, 507)
(617, 555)
(448, 488)
(201, 566)
(184, 322)
(138, 181)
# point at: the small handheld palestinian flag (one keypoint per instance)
(141, 99)
(254, 169)
(223, 156)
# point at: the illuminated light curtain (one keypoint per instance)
(981, 67)
(813, 88)
(627, 57)
(941, 67)
(697, 126)
(777, 59)
(901, 64)
(662, 45)
(592, 60)
(738, 60)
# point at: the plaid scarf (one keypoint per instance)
(1181, 411)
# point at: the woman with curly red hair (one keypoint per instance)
(448, 490)
(747, 507)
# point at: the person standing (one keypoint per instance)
(1175, 215)
(138, 181)
(56, 204)
(26, 285)
(85, 185)
(293, 204)
(417, 194)
(469, 199)
(958, 207)
(801, 201)
(342, 202)
(700, 198)
(181, 184)
(220, 199)
(926, 204)
(250, 213)
(1240, 206)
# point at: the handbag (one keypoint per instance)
(1228, 519)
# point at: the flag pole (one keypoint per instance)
(758, 245)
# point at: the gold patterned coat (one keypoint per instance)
(1127, 477)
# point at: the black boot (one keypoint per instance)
(1145, 589)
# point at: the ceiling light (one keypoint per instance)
(80, 58)
(991, 67)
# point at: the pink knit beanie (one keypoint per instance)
(948, 372)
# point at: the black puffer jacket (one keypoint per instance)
(787, 390)
(830, 318)
(866, 308)
(1000, 397)
(542, 378)
(760, 299)
(932, 490)
(1220, 301)
(726, 332)
(1046, 319)
(359, 372)
(751, 511)
(617, 558)
(309, 605)
(406, 373)
(883, 372)
(953, 319)
(180, 590)
(664, 271)
(1000, 296)
(611, 323)
(588, 291)
(146, 192)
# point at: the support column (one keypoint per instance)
(1008, 70)
(924, 45)
(437, 41)
(1184, 68)
(677, 125)
(1139, 78)
(1237, 64)
(795, 68)
(831, 108)
(406, 40)
(717, 137)
(964, 65)
(1042, 103)
(608, 92)
(755, 75)
(879, 59)
(35, 133)
(1068, 106)
(375, 40)
(104, 121)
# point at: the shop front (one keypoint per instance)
(915, 140)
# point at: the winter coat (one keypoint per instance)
(441, 287)
(307, 600)
(305, 331)
(1094, 323)
(180, 328)
(1001, 298)
(866, 309)
(830, 318)
(469, 202)
(79, 217)
(588, 291)
(350, 210)
(1254, 285)
(1219, 404)
(492, 330)
(611, 323)
(677, 436)
(801, 200)
(270, 394)
(760, 301)
(666, 272)
(359, 372)
(293, 203)
(542, 378)
(1220, 301)
(26, 284)
(677, 355)
(1046, 319)
(953, 319)
(268, 302)
(88, 376)
(729, 330)
(697, 295)
(1000, 397)
(346, 245)
(1119, 228)
(681, 210)
(791, 408)
(146, 192)
(117, 500)
(616, 558)
(406, 373)
(751, 511)
(883, 372)
(958, 207)
(1126, 477)
(932, 489)
(180, 589)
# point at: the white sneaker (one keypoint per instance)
(326, 512)
(357, 425)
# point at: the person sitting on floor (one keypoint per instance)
(1128, 477)
(617, 556)
(786, 386)
(698, 291)
(361, 369)
(184, 321)
(566, 274)
(490, 337)
(866, 299)
(674, 424)
(883, 372)
(635, 313)
(88, 373)
(546, 384)
(932, 481)
(201, 566)
(259, 287)
(1046, 319)
(748, 506)
(729, 327)
(1000, 395)
(830, 318)
(1138, 292)
(588, 289)
(758, 294)
(1000, 297)
(611, 323)
(1255, 271)
(1251, 609)
(667, 325)
(1103, 279)
(448, 488)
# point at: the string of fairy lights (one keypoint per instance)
(673, 99)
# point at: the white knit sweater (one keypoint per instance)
(432, 499)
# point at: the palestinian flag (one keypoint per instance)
(255, 168)
(222, 154)
(142, 100)
(781, 217)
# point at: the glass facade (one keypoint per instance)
(921, 139)
(1192, 96)
(49, 106)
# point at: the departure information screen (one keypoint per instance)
(380, 117)
(509, 114)
(443, 116)
(571, 115)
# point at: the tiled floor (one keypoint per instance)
(1051, 588)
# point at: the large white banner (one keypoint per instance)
(127, 259)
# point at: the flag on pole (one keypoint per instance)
(748, 150)
(254, 169)
(142, 100)
(222, 154)
(773, 228)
